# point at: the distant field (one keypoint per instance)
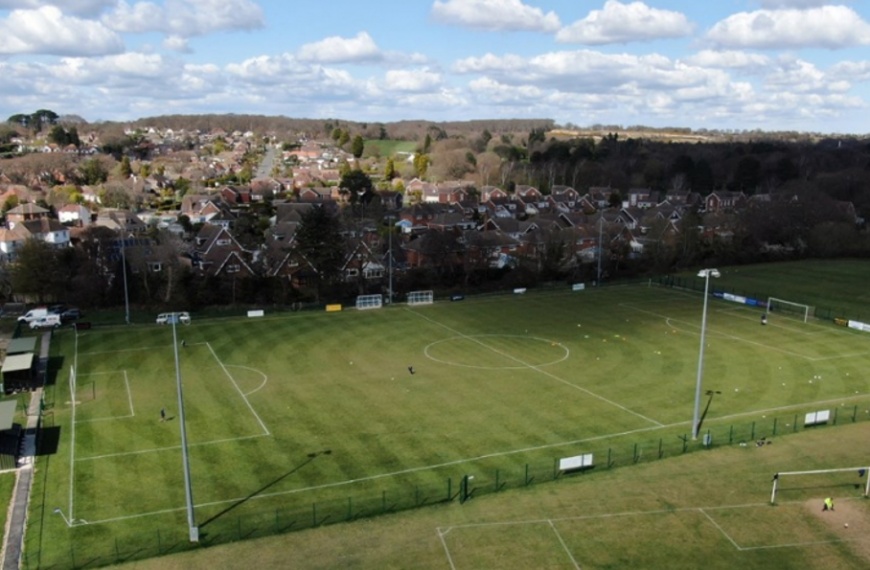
(302, 420)
(838, 286)
(388, 148)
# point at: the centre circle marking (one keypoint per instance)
(473, 338)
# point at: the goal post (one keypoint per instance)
(781, 306)
(369, 302)
(862, 473)
(421, 298)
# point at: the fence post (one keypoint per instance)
(835, 415)
(661, 452)
(731, 434)
(794, 425)
(496, 481)
(774, 426)
(854, 413)
(685, 439)
(609, 462)
(753, 431)
(634, 458)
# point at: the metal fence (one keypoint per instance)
(91, 547)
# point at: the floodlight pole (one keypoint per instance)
(600, 236)
(188, 490)
(390, 261)
(705, 273)
(124, 270)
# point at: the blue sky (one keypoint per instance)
(773, 65)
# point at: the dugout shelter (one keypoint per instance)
(18, 373)
(10, 435)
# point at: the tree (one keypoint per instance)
(421, 165)
(359, 185)
(126, 169)
(93, 172)
(357, 146)
(319, 241)
(34, 272)
(390, 170)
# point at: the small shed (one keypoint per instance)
(22, 345)
(18, 372)
(10, 435)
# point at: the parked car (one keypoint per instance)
(48, 321)
(166, 318)
(71, 314)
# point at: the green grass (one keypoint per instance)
(389, 148)
(305, 419)
(838, 286)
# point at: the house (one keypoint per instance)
(49, 231)
(200, 208)
(121, 220)
(641, 198)
(724, 200)
(10, 242)
(74, 214)
(217, 253)
(25, 212)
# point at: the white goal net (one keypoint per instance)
(369, 302)
(421, 298)
(789, 309)
(828, 482)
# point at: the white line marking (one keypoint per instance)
(170, 448)
(564, 546)
(239, 390)
(722, 530)
(258, 388)
(129, 394)
(538, 369)
(441, 536)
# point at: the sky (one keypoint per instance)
(773, 65)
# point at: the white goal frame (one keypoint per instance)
(792, 307)
(369, 302)
(421, 298)
(777, 476)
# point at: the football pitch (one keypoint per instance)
(303, 415)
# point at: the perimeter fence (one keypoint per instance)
(98, 545)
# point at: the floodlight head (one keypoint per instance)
(709, 273)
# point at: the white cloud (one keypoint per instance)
(793, 3)
(336, 49)
(827, 27)
(730, 59)
(623, 23)
(185, 18)
(412, 80)
(495, 15)
(851, 70)
(47, 30)
(80, 7)
(176, 43)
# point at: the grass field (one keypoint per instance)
(306, 419)
(389, 148)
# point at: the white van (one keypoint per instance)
(48, 321)
(33, 314)
(166, 318)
